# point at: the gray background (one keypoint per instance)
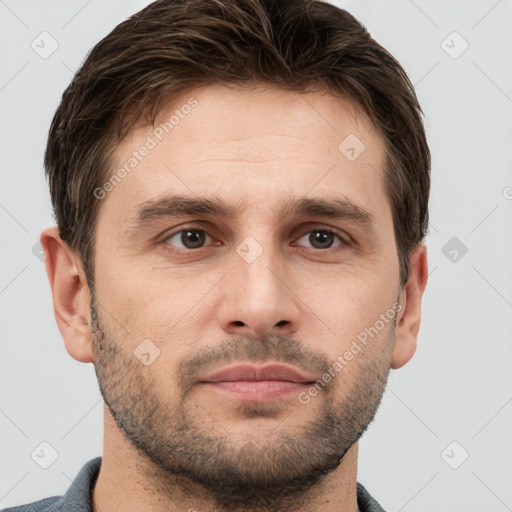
(458, 386)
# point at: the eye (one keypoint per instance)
(322, 239)
(188, 238)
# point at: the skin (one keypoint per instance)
(208, 308)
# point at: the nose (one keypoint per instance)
(257, 297)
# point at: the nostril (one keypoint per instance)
(281, 323)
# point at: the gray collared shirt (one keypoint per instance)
(78, 496)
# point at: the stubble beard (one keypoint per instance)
(278, 471)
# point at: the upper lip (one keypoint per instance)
(252, 373)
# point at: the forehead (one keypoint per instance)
(253, 143)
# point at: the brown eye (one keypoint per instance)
(321, 239)
(188, 238)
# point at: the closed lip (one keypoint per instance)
(252, 373)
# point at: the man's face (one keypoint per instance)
(180, 296)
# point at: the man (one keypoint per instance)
(241, 192)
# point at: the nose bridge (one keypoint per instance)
(256, 298)
(258, 266)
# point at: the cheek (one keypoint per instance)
(347, 306)
(163, 306)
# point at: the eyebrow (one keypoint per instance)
(178, 205)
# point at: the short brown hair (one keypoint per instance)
(175, 45)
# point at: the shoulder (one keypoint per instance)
(52, 504)
(77, 497)
(365, 501)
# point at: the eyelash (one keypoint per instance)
(343, 239)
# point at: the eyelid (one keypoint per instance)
(306, 227)
(163, 239)
(304, 230)
(345, 239)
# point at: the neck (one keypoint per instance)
(129, 481)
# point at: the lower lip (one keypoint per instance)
(259, 390)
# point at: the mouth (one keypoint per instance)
(248, 382)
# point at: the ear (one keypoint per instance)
(409, 317)
(71, 295)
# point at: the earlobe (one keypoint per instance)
(68, 287)
(409, 317)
